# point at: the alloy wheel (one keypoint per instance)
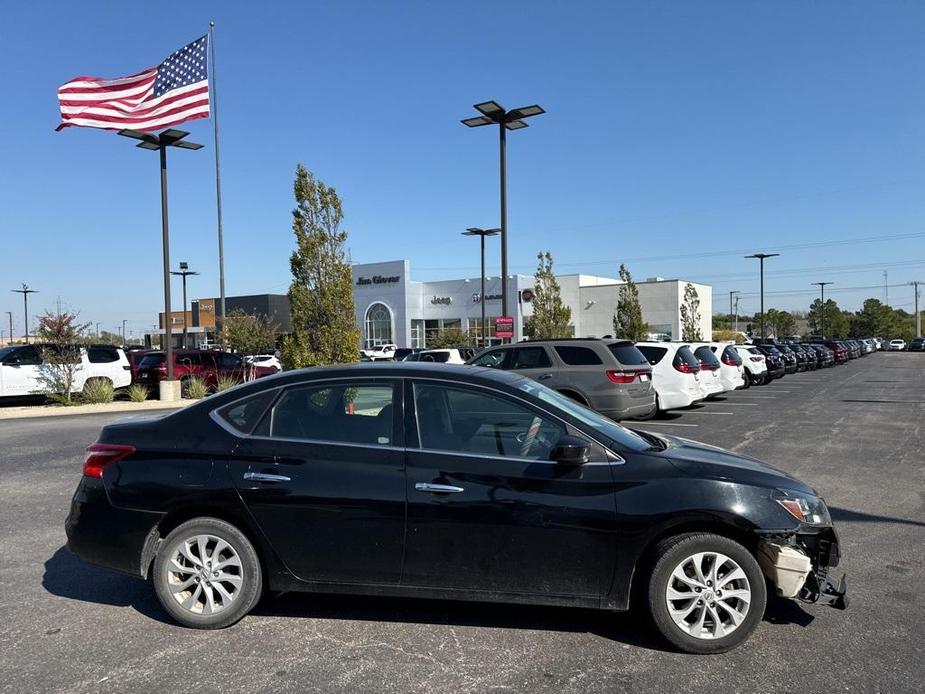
(205, 574)
(708, 595)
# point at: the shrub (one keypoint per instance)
(97, 391)
(138, 392)
(728, 336)
(225, 382)
(195, 388)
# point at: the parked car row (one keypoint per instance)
(34, 369)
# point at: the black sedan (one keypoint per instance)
(442, 481)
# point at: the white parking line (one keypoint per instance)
(757, 397)
(687, 412)
(669, 424)
(727, 403)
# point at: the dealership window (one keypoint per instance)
(435, 326)
(475, 328)
(378, 325)
(417, 333)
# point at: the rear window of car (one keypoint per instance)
(102, 355)
(705, 354)
(493, 359)
(150, 360)
(243, 415)
(439, 357)
(577, 356)
(652, 354)
(684, 355)
(732, 355)
(530, 358)
(628, 354)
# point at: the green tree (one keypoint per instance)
(781, 323)
(690, 315)
(550, 314)
(60, 338)
(875, 318)
(324, 327)
(836, 323)
(627, 321)
(249, 335)
(449, 339)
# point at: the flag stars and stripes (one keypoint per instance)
(174, 92)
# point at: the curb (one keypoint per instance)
(28, 412)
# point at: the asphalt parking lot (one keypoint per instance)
(854, 432)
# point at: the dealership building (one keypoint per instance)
(391, 307)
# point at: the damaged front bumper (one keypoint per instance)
(798, 564)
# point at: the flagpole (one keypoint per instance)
(218, 182)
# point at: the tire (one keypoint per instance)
(748, 381)
(234, 594)
(677, 556)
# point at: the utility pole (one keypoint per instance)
(10, 314)
(822, 304)
(918, 316)
(98, 331)
(886, 289)
(123, 332)
(732, 294)
(25, 291)
(737, 314)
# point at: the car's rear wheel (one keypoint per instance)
(207, 574)
(706, 592)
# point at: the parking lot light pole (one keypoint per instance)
(918, 316)
(822, 304)
(761, 257)
(184, 273)
(25, 291)
(160, 143)
(493, 113)
(482, 233)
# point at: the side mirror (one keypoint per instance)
(571, 450)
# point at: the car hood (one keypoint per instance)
(704, 461)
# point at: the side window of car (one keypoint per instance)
(102, 355)
(493, 359)
(343, 412)
(457, 419)
(530, 358)
(229, 361)
(188, 359)
(243, 415)
(653, 354)
(577, 356)
(26, 356)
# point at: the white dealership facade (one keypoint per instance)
(393, 308)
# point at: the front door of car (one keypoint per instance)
(323, 475)
(487, 508)
(534, 362)
(21, 371)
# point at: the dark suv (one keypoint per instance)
(610, 376)
(777, 365)
(206, 364)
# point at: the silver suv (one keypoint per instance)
(610, 376)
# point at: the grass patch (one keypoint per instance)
(225, 382)
(98, 391)
(138, 392)
(195, 388)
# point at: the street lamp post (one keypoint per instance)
(822, 303)
(160, 143)
(493, 113)
(184, 272)
(761, 257)
(10, 314)
(25, 291)
(482, 233)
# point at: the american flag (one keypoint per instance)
(175, 91)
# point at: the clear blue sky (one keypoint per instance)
(673, 128)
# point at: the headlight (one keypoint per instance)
(805, 508)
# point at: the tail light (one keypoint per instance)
(685, 368)
(99, 455)
(708, 367)
(729, 361)
(757, 358)
(622, 377)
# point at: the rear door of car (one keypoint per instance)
(21, 371)
(533, 362)
(323, 475)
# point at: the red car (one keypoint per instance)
(838, 349)
(205, 363)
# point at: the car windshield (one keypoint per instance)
(606, 427)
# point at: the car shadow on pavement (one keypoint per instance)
(68, 577)
(844, 514)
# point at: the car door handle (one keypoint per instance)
(545, 377)
(436, 488)
(264, 477)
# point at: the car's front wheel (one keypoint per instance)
(706, 592)
(207, 574)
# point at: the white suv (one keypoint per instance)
(380, 352)
(897, 345)
(22, 368)
(731, 369)
(756, 368)
(675, 374)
